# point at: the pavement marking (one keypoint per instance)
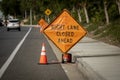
(9, 60)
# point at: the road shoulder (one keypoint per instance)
(69, 68)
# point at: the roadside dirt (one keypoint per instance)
(107, 39)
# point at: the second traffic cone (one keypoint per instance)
(41, 29)
(43, 57)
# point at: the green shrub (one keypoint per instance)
(92, 27)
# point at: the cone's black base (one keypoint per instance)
(42, 63)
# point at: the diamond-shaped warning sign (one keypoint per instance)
(47, 12)
(43, 24)
(64, 31)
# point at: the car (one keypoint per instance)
(13, 24)
(1, 22)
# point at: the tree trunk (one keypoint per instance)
(73, 10)
(30, 16)
(106, 13)
(79, 16)
(34, 16)
(86, 14)
(25, 14)
(118, 3)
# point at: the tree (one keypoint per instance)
(79, 16)
(98, 10)
(83, 4)
(118, 3)
(106, 13)
(10, 7)
(78, 8)
(24, 7)
(5, 7)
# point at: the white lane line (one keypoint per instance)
(9, 60)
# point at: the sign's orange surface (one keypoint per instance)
(43, 24)
(64, 31)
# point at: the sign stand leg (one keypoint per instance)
(48, 19)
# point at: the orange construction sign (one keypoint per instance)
(64, 31)
(43, 24)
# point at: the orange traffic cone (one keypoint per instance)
(43, 57)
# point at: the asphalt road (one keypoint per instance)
(24, 65)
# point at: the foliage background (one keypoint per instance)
(101, 19)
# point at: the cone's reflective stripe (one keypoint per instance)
(43, 50)
(43, 53)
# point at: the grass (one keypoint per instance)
(92, 27)
(108, 33)
(114, 31)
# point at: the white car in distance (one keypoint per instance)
(13, 24)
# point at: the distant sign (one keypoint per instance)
(43, 24)
(64, 31)
(47, 12)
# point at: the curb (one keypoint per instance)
(87, 72)
(83, 68)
